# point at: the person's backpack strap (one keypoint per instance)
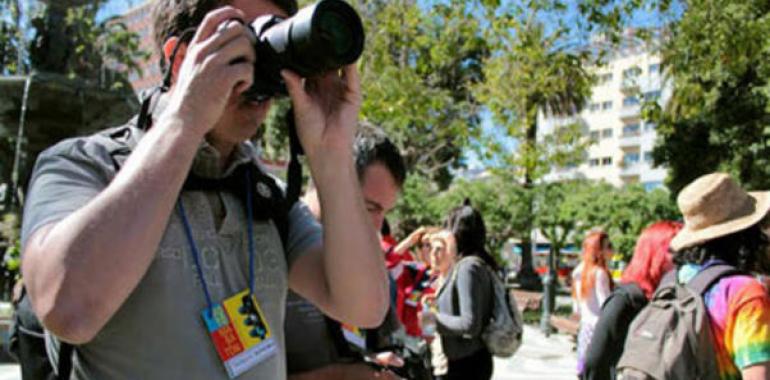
(708, 276)
(341, 345)
(64, 365)
(668, 279)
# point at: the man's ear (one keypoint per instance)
(168, 49)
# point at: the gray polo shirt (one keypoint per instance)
(158, 332)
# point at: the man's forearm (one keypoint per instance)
(353, 264)
(80, 270)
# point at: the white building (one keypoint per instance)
(621, 149)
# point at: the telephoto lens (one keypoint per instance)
(320, 37)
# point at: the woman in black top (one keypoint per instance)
(650, 263)
(465, 301)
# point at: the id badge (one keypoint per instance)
(240, 333)
(354, 336)
(414, 298)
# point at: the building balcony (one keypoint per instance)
(631, 169)
(629, 86)
(630, 112)
(630, 140)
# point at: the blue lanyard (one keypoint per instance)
(194, 248)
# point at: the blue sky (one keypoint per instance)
(115, 7)
(641, 18)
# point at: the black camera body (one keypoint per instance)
(321, 37)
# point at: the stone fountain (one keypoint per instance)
(56, 108)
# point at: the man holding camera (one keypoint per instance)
(318, 347)
(149, 281)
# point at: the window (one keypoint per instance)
(607, 105)
(631, 130)
(630, 101)
(632, 72)
(652, 95)
(594, 107)
(648, 157)
(606, 161)
(654, 68)
(652, 185)
(594, 136)
(605, 78)
(650, 126)
(607, 133)
(593, 162)
(631, 158)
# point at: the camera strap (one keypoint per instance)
(294, 173)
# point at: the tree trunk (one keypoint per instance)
(527, 277)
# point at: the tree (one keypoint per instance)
(718, 60)
(63, 38)
(422, 204)
(70, 41)
(531, 72)
(11, 38)
(622, 213)
(420, 63)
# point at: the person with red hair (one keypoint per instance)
(651, 261)
(592, 289)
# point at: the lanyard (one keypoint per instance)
(194, 247)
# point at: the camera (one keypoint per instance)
(320, 37)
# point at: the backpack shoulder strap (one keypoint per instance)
(707, 277)
(668, 279)
(64, 366)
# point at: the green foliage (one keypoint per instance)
(529, 73)
(564, 212)
(417, 206)
(622, 213)
(718, 59)
(500, 202)
(10, 38)
(68, 40)
(420, 63)
(9, 234)
(421, 204)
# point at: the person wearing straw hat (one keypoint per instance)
(724, 225)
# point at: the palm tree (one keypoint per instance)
(529, 74)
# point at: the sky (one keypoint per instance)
(115, 7)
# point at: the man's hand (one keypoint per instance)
(325, 110)
(217, 67)
(354, 371)
(388, 359)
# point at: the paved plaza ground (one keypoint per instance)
(539, 357)
(9, 372)
(543, 358)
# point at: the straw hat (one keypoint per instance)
(713, 206)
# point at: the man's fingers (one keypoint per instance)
(213, 19)
(231, 33)
(242, 77)
(352, 80)
(295, 87)
(238, 50)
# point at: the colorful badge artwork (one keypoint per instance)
(354, 336)
(240, 333)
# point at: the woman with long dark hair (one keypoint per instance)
(593, 288)
(465, 300)
(651, 261)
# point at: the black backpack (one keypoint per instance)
(27, 342)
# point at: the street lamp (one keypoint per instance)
(549, 292)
